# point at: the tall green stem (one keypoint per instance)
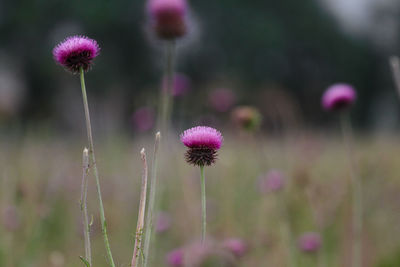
(86, 226)
(167, 87)
(357, 222)
(95, 172)
(152, 201)
(203, 205)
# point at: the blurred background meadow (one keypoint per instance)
(270, 59)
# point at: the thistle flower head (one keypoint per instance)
(143, 119)
(168, 18)
(76, 52)
(338, 97)
(203, 143)
(175, 258)
(273, 181)
(236, 246)
(247, 117)
(310, 242)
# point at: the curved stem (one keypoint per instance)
(203, 205)
(357, 222)
(152, 200)
(95, 172)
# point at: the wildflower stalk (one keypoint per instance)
(286, 230)
(166, 88)
(203, 205)
(152, 201)
(86, 226)
(357, 223)
(142, 209)
(395, 64)
(94, 167)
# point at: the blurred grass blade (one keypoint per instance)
(141, 213)
(395, 65)
(87, 264)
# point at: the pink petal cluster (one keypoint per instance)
(175, 258)
(168, 17)
(273, 181)
(202, 136)
(338, 96)
(235, 245)
(75, 52)
(310, 242)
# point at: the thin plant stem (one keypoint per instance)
(95, 171)
(357, 222)
(167, 87)
(286, 230)
(395, 65)
(152, 201)
(142, 210)
(203, 205)
(86, 226)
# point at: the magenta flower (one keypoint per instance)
(175, 258)
(236, 246)
(273, 181)
(222, 99)
(310, 242)
(168, 18)
(163, 222)
(76, 52)
(203, 143)
(143, 119)
(338, 97)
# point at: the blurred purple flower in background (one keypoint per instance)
(222, 99)
(168, 18)
(175, 257)
(310, 242)
(76, 52)
(163, 222)
(338, 96)
(272, 181)
(11, 219)
(246, 117)
(143, 119)
(181, 86)
(235, 245)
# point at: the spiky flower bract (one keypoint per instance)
(168, 18)
(203, 143)
(338, 97)
(76, 52)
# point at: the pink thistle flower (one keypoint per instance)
(143, 119)
(168, 18)
(236, 246)
(203, 143)
(163, 222)
(222, 99)
(76, 52)
(310, 242)
(338, 97)
(175, 258)
(273, 181)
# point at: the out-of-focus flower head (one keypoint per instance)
(143, 119)
(203, 143)
(207, 254)
(163, 222)
(310, 242)
(168, 18)
(272, 181)
(181, 85)
(222, 99)
(236, 246)
(246, 117)
(175, 258)
(338, 97)
(76, 52)
(11, 218)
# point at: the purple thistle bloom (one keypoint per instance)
(168, 18)
(76, 52)
(143, 119)
(235, 245)
(203, 143)
(310, 242)
(175, 257)
(338, 97)
(273, 181)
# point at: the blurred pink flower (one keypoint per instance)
(163, 222)
(181, 85)
(11, 218)
(338, 96)
(222, 99)
(175, 258)
(273, 181)
(143, 119)
(235, 245)
(310, 242)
